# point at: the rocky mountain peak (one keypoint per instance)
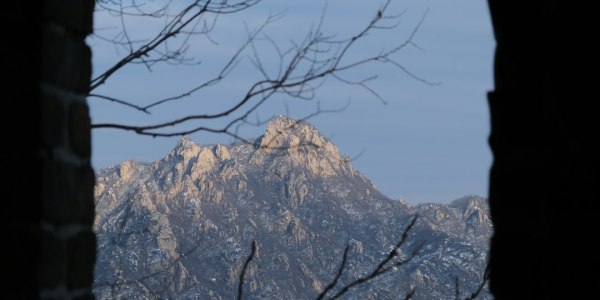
(284, 132)
(283, 122)
(186, 148)
(188, 220)
(185, 143)
(303, 146)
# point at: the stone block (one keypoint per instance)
(76, 15)
(79, 129)
(81, 258)
(68, 194)
(53, 263)
(66, 60)
(53, 121)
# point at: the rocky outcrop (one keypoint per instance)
(302, 146)
(181, 227)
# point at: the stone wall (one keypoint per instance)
(544, 182)
(48, 210)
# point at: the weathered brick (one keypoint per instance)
(68, 194)
(73, 14)
(53, 121)
(52, 269)
(66, 60)
(79, 129)
(81, 258)
(52, 50)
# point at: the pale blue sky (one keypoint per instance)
(427, 144)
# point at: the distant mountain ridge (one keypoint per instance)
(181, 227)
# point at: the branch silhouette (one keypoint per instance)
(303, 67)
(240, 291)
(383, 267)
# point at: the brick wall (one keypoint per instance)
(47, 210)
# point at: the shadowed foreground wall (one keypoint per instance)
(544, 183)
(48, 247)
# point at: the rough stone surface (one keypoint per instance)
(53, 267)
(81, 249)
(67, 193)
(74, 15)
(48, 196)
(66, 60)
(79, 129)
(189, 220)
(52, 133)
(544, 130)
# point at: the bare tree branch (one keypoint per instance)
(243, 272)
(175, 26)
(302, 69)
(486, 278)
(122, 102)
(228, 67)
(383, 267)
(409, 295)
(337, 276)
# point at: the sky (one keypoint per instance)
(421, 143)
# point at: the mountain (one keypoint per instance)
(182, 227)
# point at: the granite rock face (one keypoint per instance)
(181, 227)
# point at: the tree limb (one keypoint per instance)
(243, 272)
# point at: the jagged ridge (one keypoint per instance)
(190, 218)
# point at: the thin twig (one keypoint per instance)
(119, 101)
(308, 64)
(410, 294)
(381, 268)
(243, 272)
(337, 276)
(177, 25)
